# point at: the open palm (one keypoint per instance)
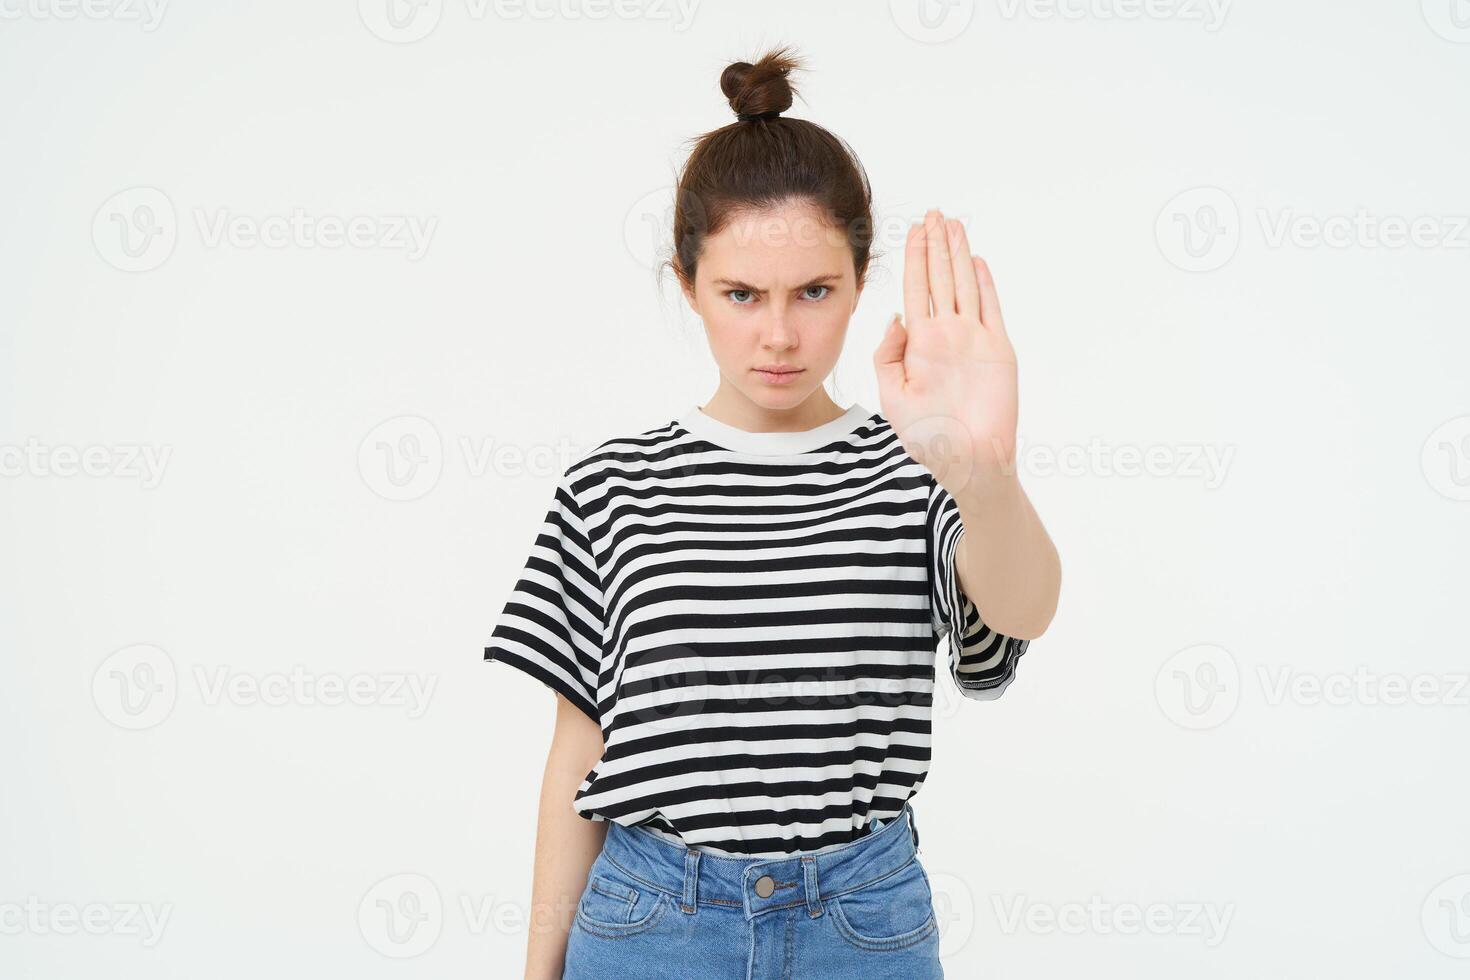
(947, 372)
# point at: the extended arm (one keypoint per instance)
(947, 378)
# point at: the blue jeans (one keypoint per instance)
(656, 910)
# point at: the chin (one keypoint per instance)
(778, 398)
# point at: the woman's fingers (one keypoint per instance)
(989, 298)
(966, 282)
(915, 278)
(941, 268)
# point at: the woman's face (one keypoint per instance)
(775, 290)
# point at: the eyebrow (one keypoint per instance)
(817, 281)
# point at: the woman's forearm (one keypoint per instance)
(566, 843)
(1006, 562)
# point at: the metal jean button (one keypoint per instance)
(765, 886)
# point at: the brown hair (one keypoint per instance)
(764, 159)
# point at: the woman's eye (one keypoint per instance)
(739, 295)
(825, 290)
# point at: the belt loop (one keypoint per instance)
(809, 874)
(913, 826)
(691, 880)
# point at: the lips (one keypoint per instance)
(778, 374)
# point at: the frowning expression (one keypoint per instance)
(776, 289)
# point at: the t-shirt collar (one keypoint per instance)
(727, 436)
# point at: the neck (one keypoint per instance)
(732, 407)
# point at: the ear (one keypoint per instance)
(689, 297)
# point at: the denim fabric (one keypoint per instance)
(655, 910)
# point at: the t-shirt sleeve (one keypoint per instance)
(981, 661)
(551, 626)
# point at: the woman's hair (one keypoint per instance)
(764, 159)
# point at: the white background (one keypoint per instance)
(1146, 762)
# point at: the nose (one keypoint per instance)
(779, 333)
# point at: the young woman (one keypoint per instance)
(740, 608)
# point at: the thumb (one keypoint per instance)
(888, 358)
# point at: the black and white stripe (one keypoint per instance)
(753, 620)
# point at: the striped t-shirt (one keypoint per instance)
(753, 619)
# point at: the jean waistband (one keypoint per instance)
(759, 885)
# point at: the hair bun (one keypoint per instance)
(760, 90)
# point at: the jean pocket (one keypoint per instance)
(893, 913)
(614, 905)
